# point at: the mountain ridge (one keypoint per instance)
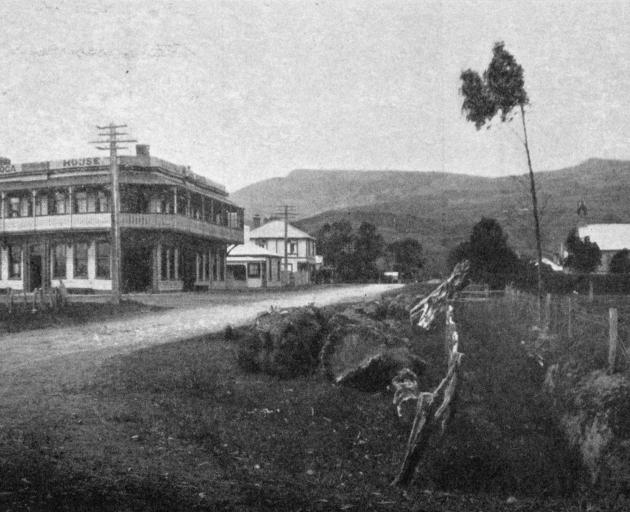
(440, 208)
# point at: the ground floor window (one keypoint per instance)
(253, 270)
(15, 261)
(81, 260)
(168, 262)
(59, 261)
(103, 257)
(202, 266)
(238, 272)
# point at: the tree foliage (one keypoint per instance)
(583, 255)
(620, 262)
(406, 257)
(334, 241)
(500, 90)
(497, 91)
(352, 255)
(490, 256)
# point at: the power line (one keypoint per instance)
(110, 141)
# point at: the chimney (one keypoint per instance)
(255, 221)
(142, 150)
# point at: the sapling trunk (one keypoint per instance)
(532, 185)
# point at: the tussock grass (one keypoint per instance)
(181, 427)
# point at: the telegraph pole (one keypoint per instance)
(287, 210)
(111, 137)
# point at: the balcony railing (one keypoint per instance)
(57, 222)
(101, 221)
(182, 224)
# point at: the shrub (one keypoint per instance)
(284, 343)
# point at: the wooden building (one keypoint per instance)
(252, 266)
(56, 220)
(300, 247)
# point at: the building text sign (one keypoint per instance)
(69, 163)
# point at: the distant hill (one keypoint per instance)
(315, 191)
(439, 209)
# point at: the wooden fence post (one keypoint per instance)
(570, 317)
(547, 317)
(590, 290)
(613, 340)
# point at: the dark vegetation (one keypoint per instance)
(488, 252)
(182, 427)
(620, 262)
(363, 255)
(583, 255)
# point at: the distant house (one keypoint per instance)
(610, 238)
(301, 258)
(252, 266)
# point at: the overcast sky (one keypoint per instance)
(248, 90)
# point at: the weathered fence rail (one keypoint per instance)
(433, 409)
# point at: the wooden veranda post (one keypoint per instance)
(570, 317)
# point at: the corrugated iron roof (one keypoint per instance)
(275, 229)
(250, 249)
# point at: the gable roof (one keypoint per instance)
(608, 237)
(250, 249)
(275, 229)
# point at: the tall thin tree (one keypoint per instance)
(500, 90)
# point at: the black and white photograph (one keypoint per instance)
(315, 255)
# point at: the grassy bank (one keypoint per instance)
(22, 316)
(180, 427)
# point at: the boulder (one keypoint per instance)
(364, 353)
(284, 343)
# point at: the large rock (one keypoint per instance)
(284, 343)
(366, 354)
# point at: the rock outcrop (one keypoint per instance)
(594, 415)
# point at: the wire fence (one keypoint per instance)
(596, 329)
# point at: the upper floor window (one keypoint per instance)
(60, 205)
(102, 202)
(292, 247)
(80, 202)
(41, 204)
(14, 209)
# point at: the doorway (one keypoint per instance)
(189, 268)
(35, 267)
(137, 268)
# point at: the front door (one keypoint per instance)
(35, 266)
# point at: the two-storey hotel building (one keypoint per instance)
(56, 223)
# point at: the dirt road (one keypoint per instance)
(190, 317)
